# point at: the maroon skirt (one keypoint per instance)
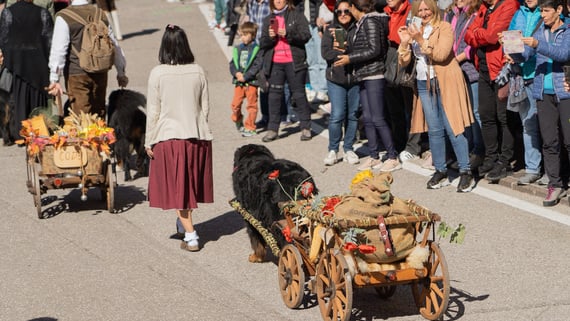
(181, 174)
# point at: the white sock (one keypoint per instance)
(191, 238)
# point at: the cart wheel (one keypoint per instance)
(431, 294)
(334, 288)
(291, 276)
(37, 191)
(110, 189)
(385, 292)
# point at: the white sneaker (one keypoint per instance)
(350, 157)
(325, 107)
(223, 25)
(370, 163)
(406, 156)
(391, 165)
(331, 158)
(212, 24)
(322, 96)
(311, 94)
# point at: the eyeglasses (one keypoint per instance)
(340, 12)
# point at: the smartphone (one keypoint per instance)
(567, 73)
(274, 24)
(417, 22)
(340, 37)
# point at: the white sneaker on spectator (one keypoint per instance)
(311, 94)
(350, 157)
(331, 158)
(370, 163)
(223, 25)
(427, 161)
(391, 165)
(212, 24)
(325, 107)
(322, 96)
(406, 156)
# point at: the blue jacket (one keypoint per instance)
(557, 52)
(526, 21)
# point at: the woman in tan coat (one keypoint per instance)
(441, 102)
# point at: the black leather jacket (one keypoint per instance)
(341, 75)
(368, 45)
(298, 34)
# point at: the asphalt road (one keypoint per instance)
(83, 263)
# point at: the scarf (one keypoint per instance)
(279, 12)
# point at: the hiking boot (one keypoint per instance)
(390, 165)
(270, 136)
(528, 178)
(475, 161)
(438, 180)
(306, 134)
(486, 167)
(553, 196)
(331, 158)
(543, 181)
(498, 172)
(466, 182)
(351, 158)
(370, 163)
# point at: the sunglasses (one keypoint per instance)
(341, 12)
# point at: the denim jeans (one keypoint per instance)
(374, 117)
(531, 133)
(345, 101)
(473, 133)
(220, 10)
(317, 65)
(438, 127)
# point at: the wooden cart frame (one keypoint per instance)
(70, 166)
(330, 278)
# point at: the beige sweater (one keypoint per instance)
(177, 104)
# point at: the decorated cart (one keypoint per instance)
(368, 238)
(76, 155)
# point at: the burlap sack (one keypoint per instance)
(403, 242)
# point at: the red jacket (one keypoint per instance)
(397, 19)
(497, 21)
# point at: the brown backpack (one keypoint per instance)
(97, 52)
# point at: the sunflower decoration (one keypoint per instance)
(86, 130)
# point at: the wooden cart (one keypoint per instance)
(329, 276)
(70, 166)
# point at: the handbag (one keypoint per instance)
(408, 75)
(6, 80)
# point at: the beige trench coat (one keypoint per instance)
(453, 89)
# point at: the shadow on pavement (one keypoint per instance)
(140, 33)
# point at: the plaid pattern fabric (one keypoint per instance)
(257, 11)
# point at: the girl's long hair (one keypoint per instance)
(174, 47)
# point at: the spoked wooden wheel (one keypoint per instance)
(385, 292)
(431, 294)
(334, 288)
(37, 192)
(110, 189)
(291, 276)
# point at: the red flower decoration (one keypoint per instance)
(328, 209)
(287, 233)
(307, 189)
(366, 249)
(274, 175)
(349, 246)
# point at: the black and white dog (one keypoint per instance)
(260, 194)
(127, 115)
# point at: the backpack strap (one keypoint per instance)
(73, 16)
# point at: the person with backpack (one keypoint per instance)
(83, 50)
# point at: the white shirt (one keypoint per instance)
(60, 44)
(421, 59)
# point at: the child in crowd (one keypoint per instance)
(244, 67)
